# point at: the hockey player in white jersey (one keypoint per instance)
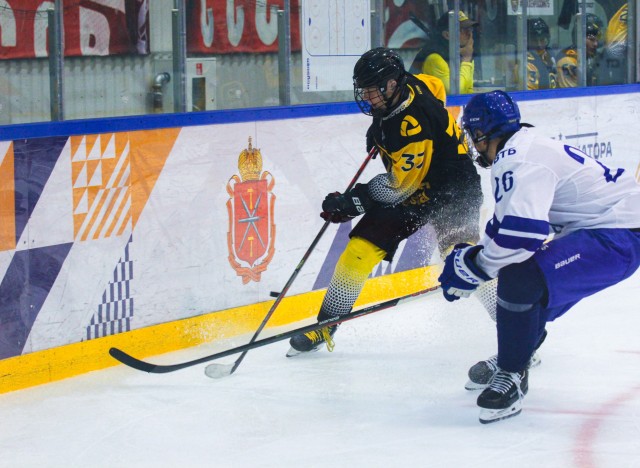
(544, 190)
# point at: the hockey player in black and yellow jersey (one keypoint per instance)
(429, 179)
(567, 60)
(541, 65)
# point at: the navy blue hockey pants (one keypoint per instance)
(553, 280)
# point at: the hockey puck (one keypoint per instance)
(274, 294)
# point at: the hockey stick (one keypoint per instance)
(228, 370)
(144, 366)
(418, 22)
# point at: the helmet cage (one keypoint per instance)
(476, 156)
(374, 69)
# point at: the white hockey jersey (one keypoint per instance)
(543, 187)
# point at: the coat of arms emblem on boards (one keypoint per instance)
(251, 205)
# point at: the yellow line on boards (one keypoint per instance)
(67, 361)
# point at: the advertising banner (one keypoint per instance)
(109, 233)
(216, 27)
(91, 27)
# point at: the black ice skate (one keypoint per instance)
(502, 399)
(480, 373)
(312, 341)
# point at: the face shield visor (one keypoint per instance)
(470, 141)
(372, 99)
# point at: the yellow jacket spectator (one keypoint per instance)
(433, 59)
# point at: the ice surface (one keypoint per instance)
(390, 395)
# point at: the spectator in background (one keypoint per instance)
(567, 60)
(433, 59)
(541, 66)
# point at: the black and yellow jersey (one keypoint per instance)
(541, 70)
(567, 63)
(420, 145)
(567, 67)
(616, 34)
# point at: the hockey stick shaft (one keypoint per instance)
(418, 22)
(306, 255)
(144, 366)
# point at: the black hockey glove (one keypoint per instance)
(371, 142)
(371, 137)
(341, 207)
(335, 218)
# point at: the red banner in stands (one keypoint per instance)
(407, 22)
(218, 27)
(91, 27)
(112, 27)
(251, 26)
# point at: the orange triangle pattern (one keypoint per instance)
(149, 152)
(7, 202)
(110, 192)
(455, 111)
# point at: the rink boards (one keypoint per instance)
(159, 239)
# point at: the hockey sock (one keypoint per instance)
(352, 270)
(520, 324)
(517, 337)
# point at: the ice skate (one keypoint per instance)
(312, 341)
(480, 373)
(503, 397)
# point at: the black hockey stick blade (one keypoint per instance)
(144, 366)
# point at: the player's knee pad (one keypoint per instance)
(360, 256)
(520, 286)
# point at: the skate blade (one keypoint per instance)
(294, 352)
(488, 416)
(471, 385)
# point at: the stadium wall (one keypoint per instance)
(158, 233)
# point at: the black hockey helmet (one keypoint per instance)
(375, 68)
(537, 29)
(595, 28)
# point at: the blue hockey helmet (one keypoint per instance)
(493, 115)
